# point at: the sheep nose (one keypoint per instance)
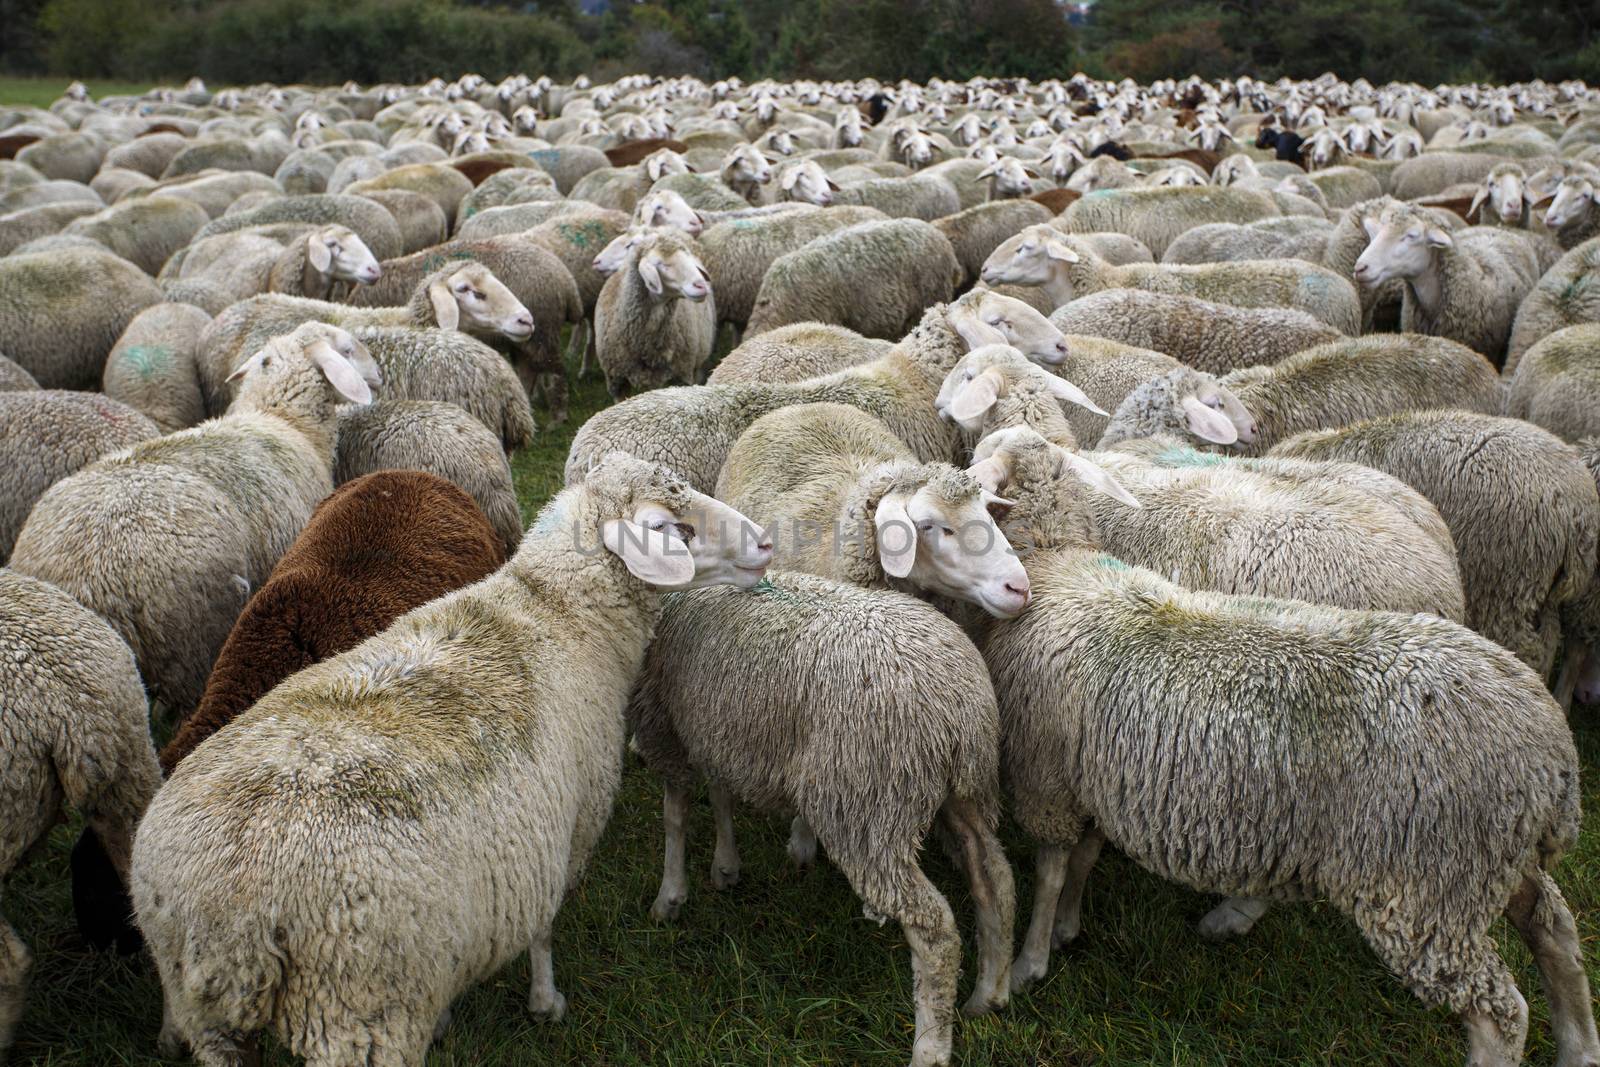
(525, 322)
(1020, 588)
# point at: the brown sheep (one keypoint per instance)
(377, 547)
(632, 152)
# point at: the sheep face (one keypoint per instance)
(667, 208)
(615, 254)
(1183, 403)
(746, 166)
(1233, 169)
(807, 183)
(987, 374)
(1574, 197)
(1008, 178)
(1401, 245)
(337, 252)
(670, 271)
(1322, 149)
(982, 318)
(472, 298)
(1018, 461)
(1028, 258)
(937, 530)
(315, 348)
(1504, 190)
(662, 162)
(670, 536)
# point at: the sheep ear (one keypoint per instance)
(1477, 202)
(318, 252)
(652, 556)
(1098, 478)
(1061, 251)
(704, 222)
(1207, 423)
(897, 537)
(790, 176)
(445, 308)
(986, 172)
(1062, 389)
(832, 184)
(650, 271)
(340, 372)
(1370, 224)
(991, 473)
(1439, 237)
(977, 396)
(245, 368)
(1030, 172)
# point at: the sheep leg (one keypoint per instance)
(1567, 680)
(802, 843)
(578, 348)
(553, 384)
(1457, 969)
(994, 897)
(1050, 875)
(15, 959)
(1234, 917)
(545, 1002)
(725, 862)
(1069, 909)
(674, 882)
(1543, 919)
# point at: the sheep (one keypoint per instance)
(842, 498)
(1325, 387)
(61, 312)
(875, 278)
(796, 352)
(1203, 334)
(75, 731)
(47, 435)
(145, 231)
(690, 429)
(1521, 507)
(1555, 384)
(154, 366)
(979, 230)
(1565, 295)
(422, 222)
(165, 539)
(460, 294)
(778, 656)
(367, 219)
(449, 366)
(1465, 288)
(738, 251)
(1009, 177)
(434, 436)
(373, 550)
(439, 182)
(656, 319)
(1380, 305)
(20, 228)
(1574, 212)
(218, 191)
(1065, 267)
(1317, 772)
(1156, 216)
(745, 170)
(1506, 192)
(1293, 236)
(327, 255)
(574, 239)
(560, 608)
(923, 196)
(14, 378)
(380, 545)
(536, 277)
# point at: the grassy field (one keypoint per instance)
(782, 969)
(42, 92)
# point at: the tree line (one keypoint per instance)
(243, 41)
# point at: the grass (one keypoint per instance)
(42, 92)
(782, 969)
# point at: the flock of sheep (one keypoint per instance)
(1204, 468)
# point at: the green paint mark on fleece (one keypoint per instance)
(146, 360)
(1183, 456)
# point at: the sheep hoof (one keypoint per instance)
(666, 908)
(170, 1045)
(1224, 922)
(983, 1003)
(1024, 973)
(1064, 933)
(550, 1008)
(724, 877)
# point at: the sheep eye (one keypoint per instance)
(947, 531)
(1214, 402)
(685, 530)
